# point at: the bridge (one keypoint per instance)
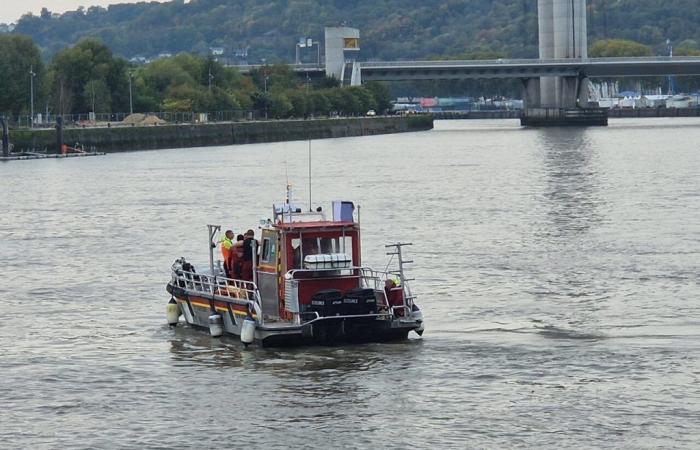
(514, 68)
(555, 83)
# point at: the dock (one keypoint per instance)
(23, 156)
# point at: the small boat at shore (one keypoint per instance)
(307, 285)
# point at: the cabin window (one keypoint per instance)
(296, 251)
(329, 245)
(269, 251)
(311, 246)
(301, 248)
(345, 245)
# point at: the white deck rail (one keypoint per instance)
(216, 286)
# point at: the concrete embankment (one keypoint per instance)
(624, 113)
(126, 138)
(486, 114)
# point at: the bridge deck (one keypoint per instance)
(516, 68)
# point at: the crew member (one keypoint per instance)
(247, 260)
(394, 295)
(235, 258)
(226, 244)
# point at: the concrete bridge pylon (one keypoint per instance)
(563, 34)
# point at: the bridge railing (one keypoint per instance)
(522, 62)
(313, 67)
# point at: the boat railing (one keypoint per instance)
(296, 276)
(368, 278)
(375, 279)
(211, 285)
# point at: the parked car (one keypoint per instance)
(371, 112)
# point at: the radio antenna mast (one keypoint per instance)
(310, 204)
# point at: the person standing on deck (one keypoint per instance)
(247, 260)
(226, 244)
(235, 258)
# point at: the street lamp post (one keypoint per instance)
(131, 97)
(31, 95)
(308, 43)
(671, 87)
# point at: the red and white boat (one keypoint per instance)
(308, 286)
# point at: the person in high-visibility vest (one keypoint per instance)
(226, 244)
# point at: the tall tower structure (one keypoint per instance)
(563, 34)
(342, 46)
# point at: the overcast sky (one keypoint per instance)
(11, 10)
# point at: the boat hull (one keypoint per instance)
(332, 330)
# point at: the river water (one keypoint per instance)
(558, 271)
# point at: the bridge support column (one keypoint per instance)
(563, 35)
(572, 92)
(531, 92)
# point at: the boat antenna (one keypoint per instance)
(310, 204)
(286, 175)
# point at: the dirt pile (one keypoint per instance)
(142, 119)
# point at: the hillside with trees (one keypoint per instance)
(391, 29)
(89, 78)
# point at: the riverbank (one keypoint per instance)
(616, 113)
(129, 138)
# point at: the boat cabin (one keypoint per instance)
(302, 254)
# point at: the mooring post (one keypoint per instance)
(5, 137)
(59, 135)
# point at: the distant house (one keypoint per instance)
(216, 51)
(139, 60)
(241, 52)
(164, 55)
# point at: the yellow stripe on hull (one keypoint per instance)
(218, 308)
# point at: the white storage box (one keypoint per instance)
(328, 261)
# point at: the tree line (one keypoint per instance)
(391, 29)
(88, 77)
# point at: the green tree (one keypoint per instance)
(612, 48)
(89, 61)
(364, 97)
(350, 103)
(319, 103)
(382, 95)
(99, 96)
(301, 103)
(18, 55)
(280, 106)
(686, 51)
